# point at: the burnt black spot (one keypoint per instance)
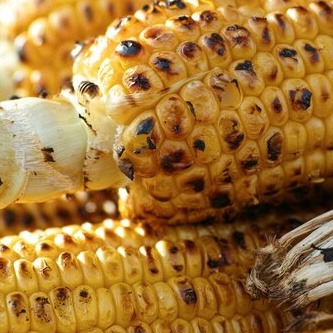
(265, 35)
(171, 3)
(197, 184)
(88, 13)
(151, 261)
(84, 293)
(173, 250)
(274, 146)
(288, 53)
(328, 253)
(220, 200)
(175, 161)
(150, 145)
(234, 139)
(245, 66)
(63, 214)
(249, 163)
(126, 167)
(47, 152)
(44, 246)
(177, 129)
(301, 98)
(239, 238)
(277, 106)
(313, 52)
(28, 220)
(62, 294)
(223, 257)
(179, 3)
(178, 268)
(9, 217)
(238, 35)
(186, 22)
(21, 50)
(14, 97)
(3, 248)
(89, 88)
(189, 296)
(128, 48)
(280, 18)
(145, 126)
(121, 22)
(140, 81)
(199, 144)
(208, 16)
(191, 107)
(325, 10)
(190, 246)
(189, 49)
(216, 43)
(163, 64)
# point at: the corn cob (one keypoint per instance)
(206, 109)
(73, 209)
(216, 114)
(45, 32)
(179, 279)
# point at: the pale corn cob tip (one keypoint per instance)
(296, 269)
(45, 32)
(119, 277)
(220, 105)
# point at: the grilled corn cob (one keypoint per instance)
(45, 32)
(119, 277)
(206, 109)
(75, 209)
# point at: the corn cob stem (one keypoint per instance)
(296, 269)
(141, 94)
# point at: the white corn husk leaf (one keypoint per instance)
(100, 169)
(49, 145)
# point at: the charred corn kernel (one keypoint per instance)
(275, 105)
(45, 34)
(18, 312)
(304, 24)
(269, 68)
(240, 41)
